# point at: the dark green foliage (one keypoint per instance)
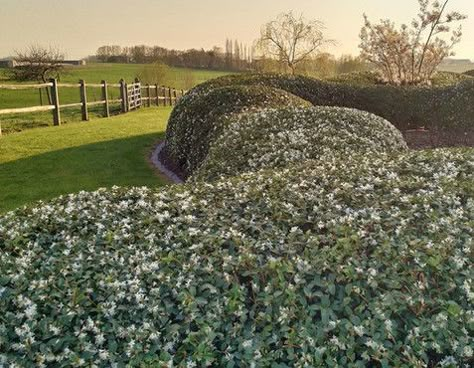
(201, 115)
(361, 262)
(405, 107)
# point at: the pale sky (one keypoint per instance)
(79, 27)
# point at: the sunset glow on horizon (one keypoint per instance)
(79, 28)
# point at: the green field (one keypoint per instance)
(179, 78)
(44, 163)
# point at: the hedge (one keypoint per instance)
(361, 262)
(276, 138)
(470, 73)
(200, 116)
(369, 78)
(405, 107)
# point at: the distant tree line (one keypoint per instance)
(236, 56)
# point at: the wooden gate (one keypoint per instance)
(134, 96)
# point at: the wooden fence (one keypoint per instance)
(132, 96)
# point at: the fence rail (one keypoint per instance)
(132, 97)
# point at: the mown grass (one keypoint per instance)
(91, 73)
(44, 163)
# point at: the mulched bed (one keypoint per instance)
(171, 165)
(422, 139)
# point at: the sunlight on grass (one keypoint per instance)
(44, 163)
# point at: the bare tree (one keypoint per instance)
(37, 63)
(412, 54)
(292, 39)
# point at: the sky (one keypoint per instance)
(79, 27)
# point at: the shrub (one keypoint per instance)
(357, 262)
(275, 138)
(200, 116)
(410, 54)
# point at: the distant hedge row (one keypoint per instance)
(439, 108)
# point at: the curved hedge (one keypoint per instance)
(358, 263)
(275, 138)
(200, 116)
(405, 107)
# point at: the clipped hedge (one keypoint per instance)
(370, 78)
(199, 117)
(470, 73)
(361, 262)
(405, 107)
(276, 138)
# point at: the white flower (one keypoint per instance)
(359, 330)
(247, 344)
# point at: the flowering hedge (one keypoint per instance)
(405, 107)
(200, 116)
(273, 138)
(361, 262)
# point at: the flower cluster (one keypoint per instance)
(273, 138)
(365, 261)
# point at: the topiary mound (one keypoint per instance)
(275, 138)
(201, 116)
(361, 262)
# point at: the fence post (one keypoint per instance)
(55, 102)
(157, 95)
(105, 97)
(85, 112)
(148, 90)
(123, 95)
(170, 95)
(175, 94)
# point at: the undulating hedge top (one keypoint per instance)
(445, 108)
(199, 117)
(370, 78)
(361, 262)
(278, 138)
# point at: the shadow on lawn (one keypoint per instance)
(122, 162)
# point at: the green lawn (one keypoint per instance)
(45, 163)
(91, 73)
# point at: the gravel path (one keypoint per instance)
(155, 160)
